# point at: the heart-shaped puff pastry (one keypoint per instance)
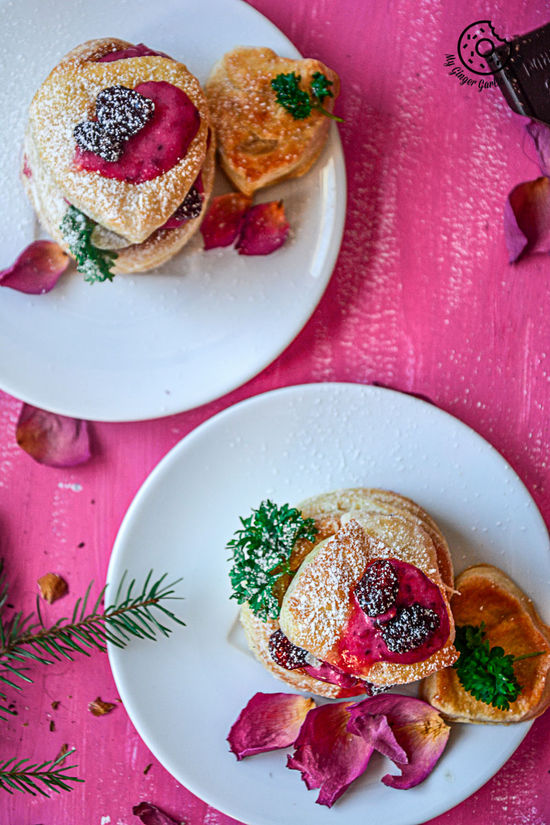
(355, 528)
(259, 142)
(487, 595)
(67, 98)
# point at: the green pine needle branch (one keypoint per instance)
(134, 612)
(53, 774)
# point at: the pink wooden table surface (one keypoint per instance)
(422, 299)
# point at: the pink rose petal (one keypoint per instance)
(268, 722)
(151, 815)
(52, 439)
(541, 138)
(37, 269)
(223, 221)
(527, 218)
(417, 727)
(264, 230)
(329, 756)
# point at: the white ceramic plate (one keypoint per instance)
(183, 694)
(154, 344)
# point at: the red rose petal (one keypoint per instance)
(541, 138)
(417, 727)
(527, 218)
(268, 722)
(151, 815)
(264, 229)
(223, 221)
(55, 440)
(329, 756)
(37, 269)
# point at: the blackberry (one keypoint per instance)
(376, 592)
(122, 112)
(410, 628)
(90, 137)
(284, 653)
(190, 207)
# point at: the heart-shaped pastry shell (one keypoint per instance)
(67, 97)
(259, 142)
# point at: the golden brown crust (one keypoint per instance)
(389, 525)
(50, 206)
(67, 97)
(260, 143)
(490, 596)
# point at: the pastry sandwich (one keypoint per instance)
(363, 606)
(119, 155)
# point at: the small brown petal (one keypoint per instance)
(51, 439)
(52, 587)
(151, 815)
(62, 750)
(99, 708)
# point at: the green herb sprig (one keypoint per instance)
(94, 263)
(53, 774)
(261, 552)
(486, 672)
(297, 101)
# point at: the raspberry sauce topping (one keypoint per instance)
(413, 627)
(141, 50)
(158, 146)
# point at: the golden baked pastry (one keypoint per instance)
(259, 142)
(488, 596)
(344, 651)
(129, 196)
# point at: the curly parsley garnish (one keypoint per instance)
(261, 553)
(94, 263)
(297, 101)
(486, 672)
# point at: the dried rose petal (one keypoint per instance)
(99, 708)
(329, 756)
(269, 721)
(223, 221)
(527, 218)
(541, 138)
(264, 229)
(37, 269)
(151, 815)
(55, 440)
(52, 587)
(417, 727)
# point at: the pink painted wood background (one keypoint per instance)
(422, 299)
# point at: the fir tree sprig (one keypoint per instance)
(261, 553)
(53, 774)
(94, 263)
(486, 672)
(134, 612)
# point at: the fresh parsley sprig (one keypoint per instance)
(486, 672)
(94, 263)
(297, 101)
(261, 553)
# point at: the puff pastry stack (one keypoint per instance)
(368, 604)
(144, 217)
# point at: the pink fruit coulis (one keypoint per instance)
(162, 142)
(362, 644)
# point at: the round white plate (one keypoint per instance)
(154, 344)
(184, 693)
